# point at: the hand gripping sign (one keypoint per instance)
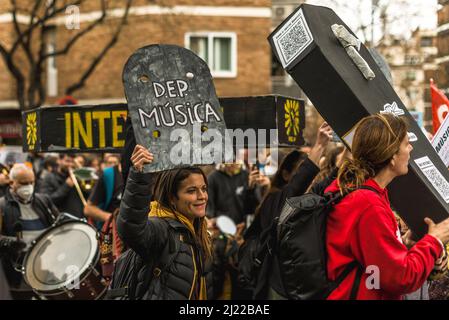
(173, 107)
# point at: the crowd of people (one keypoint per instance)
(174, 216)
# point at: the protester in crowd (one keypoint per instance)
(60, 187)
(102, 209)
(110, 160)
(107, 193)
(306, 148)
(439, 272)
(225, 264)
(363, 228)
(36, 161)
(94, 161)
(294, 176)
(80, 161)
(235, 190)
(24, 215)
(231, 191)
(4, 179)
(328, 164)
(50, 165)
(178, 213)
(4, 286)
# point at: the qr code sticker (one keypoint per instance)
(434, 176)
(292, 39)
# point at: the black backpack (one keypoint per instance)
(255, 258)
(132, 276)
(301, 248)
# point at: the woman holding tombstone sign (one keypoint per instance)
(363, 228)
(174, 238)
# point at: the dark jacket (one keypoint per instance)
(148, 238)
(229, 195)
(298, 185)
(10, 211)
(274, 202)
(10, 215)
(63, 196)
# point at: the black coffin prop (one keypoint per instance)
(310, 52)
(284, 115)
(75, 128)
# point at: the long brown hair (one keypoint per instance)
(167, 186)
(377, 139)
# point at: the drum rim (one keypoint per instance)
(80, 274)
(60, 291)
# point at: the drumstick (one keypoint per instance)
(77, 186)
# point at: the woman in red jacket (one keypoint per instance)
(363, 228)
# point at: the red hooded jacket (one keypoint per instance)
(362, 227)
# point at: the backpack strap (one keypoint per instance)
(168, 255)
(368, 188)
(269, 245)
(353, 265)
(356, 285)
(173, 245)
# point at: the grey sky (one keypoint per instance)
(408, 16)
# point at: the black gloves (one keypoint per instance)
(11, 245)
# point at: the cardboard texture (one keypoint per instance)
(168, 88)
(75, 128)
(310, 52)
(285, 115)
(100, 128)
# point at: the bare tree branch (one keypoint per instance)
(20, 79)
(26, 49)
(40, 22)
(29, 31)
(78, 85)
(30, 89)
(72, 41)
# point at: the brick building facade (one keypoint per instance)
(231, 35)
(442, 77)
(411, 62)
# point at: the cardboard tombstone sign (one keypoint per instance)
(173, 107)
(341, 78)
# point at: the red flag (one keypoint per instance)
(440, 106)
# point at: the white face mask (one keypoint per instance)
(25, 192)
(270, 170)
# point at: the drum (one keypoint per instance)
(62, 263)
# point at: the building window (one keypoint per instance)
(218, 49)
(426, 42)
(52, 70)
(411, 75)
(412, 60)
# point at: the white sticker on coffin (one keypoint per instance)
(434, 176)
(393, 109)
(412, 137)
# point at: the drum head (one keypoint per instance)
(60, 256)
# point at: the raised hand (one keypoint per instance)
(140, 157)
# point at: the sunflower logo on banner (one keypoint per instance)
(31, 124)
(292, 125)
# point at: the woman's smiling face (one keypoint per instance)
(192, 197)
